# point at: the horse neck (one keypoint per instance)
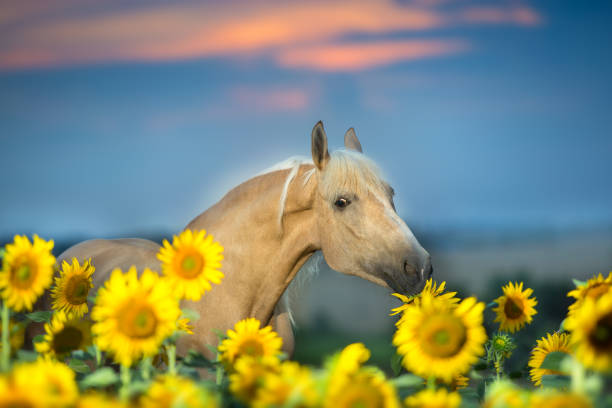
(261, 259)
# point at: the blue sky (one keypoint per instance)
(132, 117)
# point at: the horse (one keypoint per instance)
(270, 225)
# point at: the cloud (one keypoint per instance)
(83, 33)
(360, 56)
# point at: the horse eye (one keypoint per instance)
(342, 202)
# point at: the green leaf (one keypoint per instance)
(191, 314)
(396, 364)
(82, 355)
(26, 356)
(491, 304)
(195, 359)
(212, 349)
(42, 316)
(220, 335)
(102, 377)
(2, 252)
(407, 380)
(578, 282)
(79, 366)
(38, 338)
(556, 381)
(469, 398)
(553, 361)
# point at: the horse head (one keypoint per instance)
(359, 229)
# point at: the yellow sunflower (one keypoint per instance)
(594, 288)
(292, 386)
(366, 388)
(431, 288)
(439, 398)
(515, 307)
(133, 316)
(342, 365)
(98, 400)
(248, 375)
(248, 339)
(169, 391)
(184, 325)
(16, 335)
(72, 287)
(27, 269)
(549, 398)
(191, 263)
(438, 338)
(64, 335)
(12, 396)
(552, 342)
(53, 382)
(591, 332)
(505, 394)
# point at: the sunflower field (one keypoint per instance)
(117, 347)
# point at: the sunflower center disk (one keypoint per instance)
(23, 275)
(191, 265)
(601, 336)
(251, 347)
(443, 336)
(513, 308)
(137, 321)
(77, 290)
(67, 340)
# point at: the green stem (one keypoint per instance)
(431, 383)
(145, 368)
(219, 372)
(98, 357)
(577, 376)
(125, 383)
(171, 359)
(6, 344)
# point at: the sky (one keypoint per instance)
(126, 117)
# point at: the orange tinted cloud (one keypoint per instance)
(80, 33)
(360, 56)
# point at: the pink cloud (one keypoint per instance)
(81, 33)
(360, 56)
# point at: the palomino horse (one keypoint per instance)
(271, 224)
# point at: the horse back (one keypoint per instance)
(108, 254)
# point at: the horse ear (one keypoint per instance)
(351, 142)
(320, 155)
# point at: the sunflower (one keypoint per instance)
(505, 394)
(433, 399)
(98, 400)
(365, 388)
(54, 382)
(184, 325)
(548, 398)
(438, 338)
(26, 272)
(430, 288)
(591, 332)
(594, 288)
(72, 287)
(191, 263)
(291, 386)
(63, 335)
(171, 391)
(133, 316)
(248, 374)
(343, 364)
(12, 396)
(16, 335)
(248, 339)
(556, 342)
(515, 307)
